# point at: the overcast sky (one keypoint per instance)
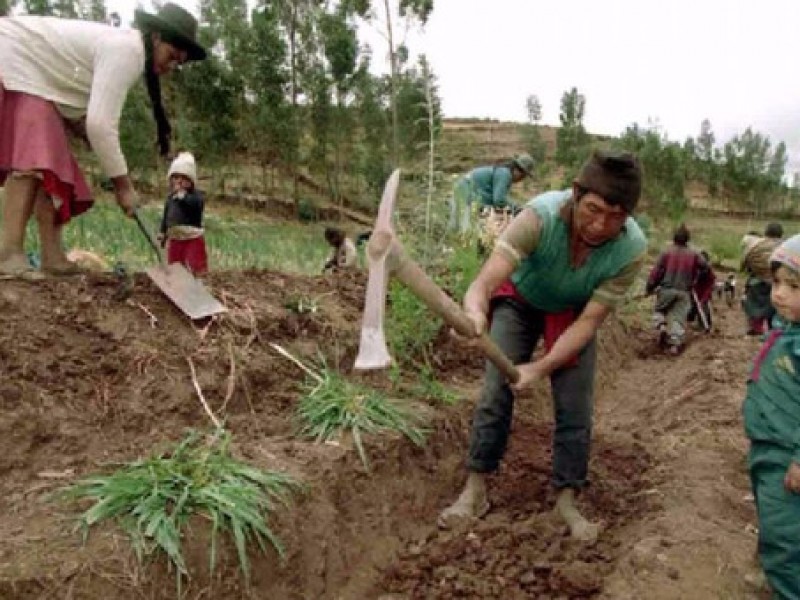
(678, 62)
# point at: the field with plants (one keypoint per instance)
(145, 456)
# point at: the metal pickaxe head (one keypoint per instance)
(372, 351)
(385, 256)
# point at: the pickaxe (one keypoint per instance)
(386, 256)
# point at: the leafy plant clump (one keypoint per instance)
(332, 405)
(153, 499)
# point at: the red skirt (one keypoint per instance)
(190, 253)
(33, 138)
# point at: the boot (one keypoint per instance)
(580, 529)
(471, 504)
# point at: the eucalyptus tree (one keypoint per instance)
(6, 6)
(38, 7)
(370, 103)
(396, 18)
(536, 145)
(572, 140)
(94, 10)
(339, 40)
(272, 124)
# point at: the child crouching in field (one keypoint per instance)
(343, 251)
(182, 223)
(772, 422)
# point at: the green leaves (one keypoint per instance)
(153, 499)
(332, 405)
(572, 140)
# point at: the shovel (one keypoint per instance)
(178, 284)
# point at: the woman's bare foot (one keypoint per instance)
(16, 266)
(62, 268)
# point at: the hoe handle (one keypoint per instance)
(435, 299)
(148, 236)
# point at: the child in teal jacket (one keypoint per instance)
(772, 422)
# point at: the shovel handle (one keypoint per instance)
(443, 305)
(148, 236)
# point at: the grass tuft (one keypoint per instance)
(153, 499)
(332, 405)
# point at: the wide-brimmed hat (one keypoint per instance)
(177, 24)
(524, 163)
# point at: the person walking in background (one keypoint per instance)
(672, 279)
(772, 421)
(182, 222)
(487, 188)
(55, 72)
(702, 293)
(755, 263)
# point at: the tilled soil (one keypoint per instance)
(88, 378)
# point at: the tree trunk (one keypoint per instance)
(393, 88)
(293, 153)
(431, 140)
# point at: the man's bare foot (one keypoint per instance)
(471, 504)
(580, 529)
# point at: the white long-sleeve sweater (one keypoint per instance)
(85, 68)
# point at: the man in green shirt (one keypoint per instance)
(561, 267)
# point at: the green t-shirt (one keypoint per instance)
(545, 276)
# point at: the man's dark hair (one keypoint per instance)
(774, 230)
(681, 236)
(614, 176)
(334, 236)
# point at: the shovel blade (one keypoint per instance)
(188, 294)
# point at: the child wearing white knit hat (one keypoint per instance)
(182, 222)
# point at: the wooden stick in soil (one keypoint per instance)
(231, 380)
(285, 353)
(147, 311)
(209, 412)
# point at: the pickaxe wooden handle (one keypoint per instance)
(386, 256)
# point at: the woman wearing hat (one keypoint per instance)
(53, 73)
(562, 266)
(487, 187)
